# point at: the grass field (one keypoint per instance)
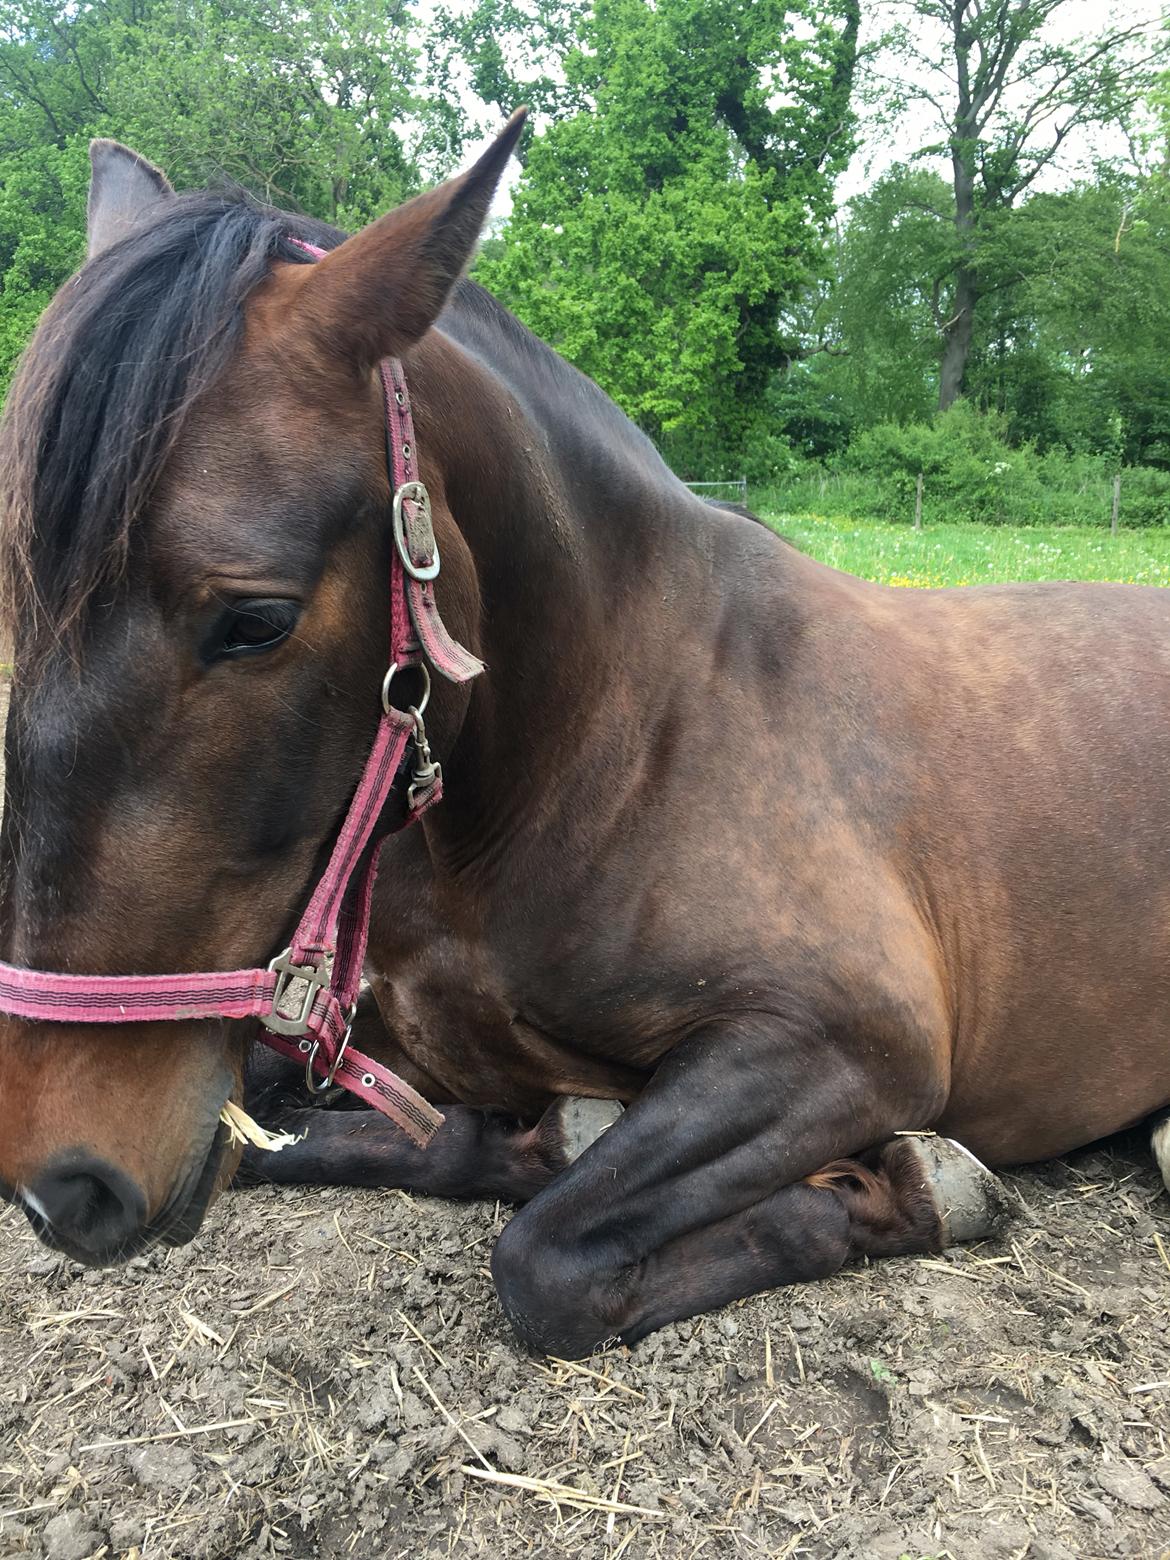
(971, 554)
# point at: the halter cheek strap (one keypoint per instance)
(306, 998)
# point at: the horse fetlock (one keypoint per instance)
(971, 1202)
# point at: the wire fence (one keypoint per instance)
(736, 485)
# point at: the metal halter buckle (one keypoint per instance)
(416, 493)
(315, 977)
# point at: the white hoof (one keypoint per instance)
(972, 1203)
(1160, 1143)
(582, 1121)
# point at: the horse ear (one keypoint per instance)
(122, 188)
(380, 291)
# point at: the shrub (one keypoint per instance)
(970, 472)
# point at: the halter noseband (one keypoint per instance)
(306, 998)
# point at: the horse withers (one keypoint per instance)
(796, 868)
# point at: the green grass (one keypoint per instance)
(971, 554)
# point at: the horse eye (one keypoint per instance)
(248, 627)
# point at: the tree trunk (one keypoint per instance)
(958, 331)
(957, 339)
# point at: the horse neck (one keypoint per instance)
(571, 522)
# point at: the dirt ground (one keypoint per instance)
(327, 1374)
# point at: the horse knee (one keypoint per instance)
(548, 1293)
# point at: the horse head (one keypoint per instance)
(196, 529)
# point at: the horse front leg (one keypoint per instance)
(475, 1153)
(708, 1189)
(914, 1195)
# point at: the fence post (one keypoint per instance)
(918, 504)
(1116, 503)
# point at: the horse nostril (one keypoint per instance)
(88, 1205)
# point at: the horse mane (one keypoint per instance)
(98, 402)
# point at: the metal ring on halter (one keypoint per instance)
(420, 666)
(327, 1082)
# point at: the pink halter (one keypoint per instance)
(306, 998)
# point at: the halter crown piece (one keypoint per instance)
(306, 998)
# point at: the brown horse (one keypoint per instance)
(789, 863)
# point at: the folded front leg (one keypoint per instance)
(692, 1198)
(915, 1195)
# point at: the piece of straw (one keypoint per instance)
(242, 1129)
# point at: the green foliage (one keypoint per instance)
(892, 262)
(1089, 330)
(660, 233)
(511, 51)
(970, 473)
(1073, 335)
(303, 103)
(42, 218)
(671, 232)
(300, 102)
(966, 465)
(1007, 87)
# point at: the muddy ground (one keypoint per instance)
(327, 1374)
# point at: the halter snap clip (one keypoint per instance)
(327, 1083)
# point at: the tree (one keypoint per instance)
(661, 233)
(1100, 308)
(1007, 96)
(1071, 341)
(510, 52)
(892, 262)
(302, 101)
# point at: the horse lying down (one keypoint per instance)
(796, 869)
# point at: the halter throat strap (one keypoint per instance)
(307, 997)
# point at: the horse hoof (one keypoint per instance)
(1160, 1143)
(972, 1203)
(577, 1122)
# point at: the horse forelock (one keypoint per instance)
(100, 398)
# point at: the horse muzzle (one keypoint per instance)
(97, 1214)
